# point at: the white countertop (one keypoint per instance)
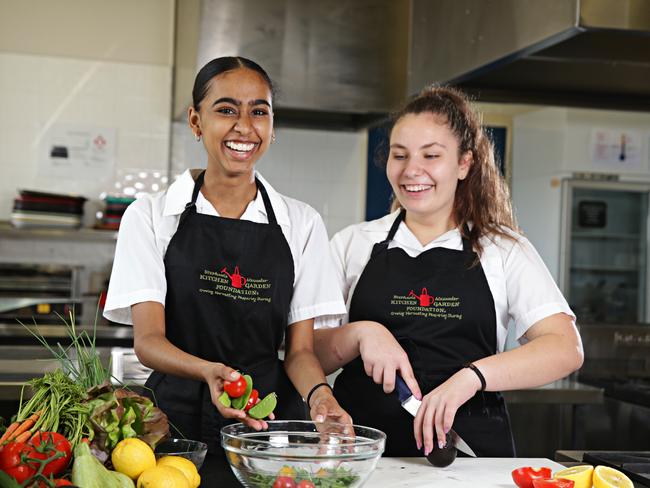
(462, 473)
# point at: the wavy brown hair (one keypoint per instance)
(482, 198)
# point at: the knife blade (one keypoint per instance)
(412, 404)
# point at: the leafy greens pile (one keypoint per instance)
(120, 414)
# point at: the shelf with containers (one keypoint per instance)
(604, 262)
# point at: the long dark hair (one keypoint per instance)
(482, 198)
(221, 65)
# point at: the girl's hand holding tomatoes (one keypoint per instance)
(220, 378)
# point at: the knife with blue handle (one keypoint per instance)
(412, 404)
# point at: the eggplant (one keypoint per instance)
(445, 456)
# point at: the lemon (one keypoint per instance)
(580, 475)
(287, 471)
(606, 477)
(185, 466)
(162, 477)
(132, 456)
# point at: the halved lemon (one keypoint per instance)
(606, 477)
(581, 475)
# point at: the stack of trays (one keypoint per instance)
(115, 207)
(52, 210)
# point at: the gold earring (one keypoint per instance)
(272, 138)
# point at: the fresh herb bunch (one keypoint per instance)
(59, 400)
(323, 478)
(80, 359)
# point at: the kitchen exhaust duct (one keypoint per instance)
(336, 62)
(347, 63)
(591, 53)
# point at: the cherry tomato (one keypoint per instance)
(48, 445)
(306, 484)
(236, 388)
(284, 482)
(12, 464)
(252, 400)
(554, 482)
(523, 477)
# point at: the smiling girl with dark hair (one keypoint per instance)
(218, 270)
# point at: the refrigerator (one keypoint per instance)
(604, 250)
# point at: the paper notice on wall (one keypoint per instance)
(79, 152)
(616, 149)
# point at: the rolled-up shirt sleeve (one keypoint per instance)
(532, 293)
(138, 273)
(316, 291)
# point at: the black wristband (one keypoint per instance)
(478, 373)
(311, 392)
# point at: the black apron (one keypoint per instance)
(229, 286)
(440, 309)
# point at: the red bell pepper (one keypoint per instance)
(523, 477)
(553, 483)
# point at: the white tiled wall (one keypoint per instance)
(326, 169)
(323, 168)
(37, 91)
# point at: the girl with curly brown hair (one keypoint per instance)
(432, 288)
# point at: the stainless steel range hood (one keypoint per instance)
(593, 53)
(349, 62)
(337, 62)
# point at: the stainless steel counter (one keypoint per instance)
(565, 391)
(60, 331)
(83, 234)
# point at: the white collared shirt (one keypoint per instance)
(150, 222)
(522, 287)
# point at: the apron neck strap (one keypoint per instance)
(400, 218)
(270, 214)
(383, 245)
(190, 207)
(466, 244)
(197, 187)
(395, 226)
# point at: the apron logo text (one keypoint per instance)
(425, 305)
(235, 286)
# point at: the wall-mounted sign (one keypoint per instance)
(616, 149)
(592, 214)
(79, 152)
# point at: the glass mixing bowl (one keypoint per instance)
(195, 451)
(324, 454)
